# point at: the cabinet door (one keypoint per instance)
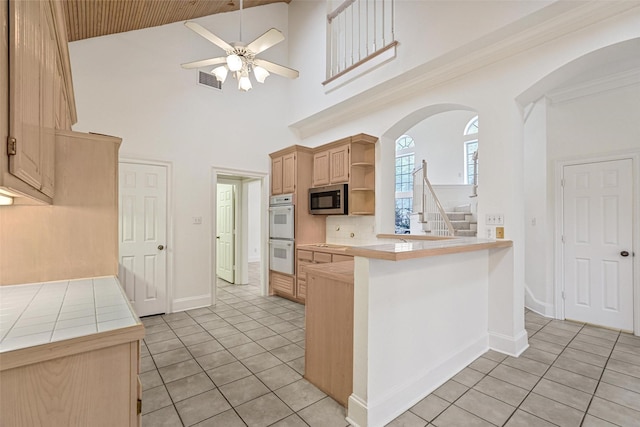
(25, 58)
(276, 176)
(321, 169)
(339, 165)
(289, 173)
(48, 74)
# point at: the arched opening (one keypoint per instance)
(443, 137)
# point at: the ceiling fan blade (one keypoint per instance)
(205, 62)
(277, 69)
(265, 41)
(208, 35)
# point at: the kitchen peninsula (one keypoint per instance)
(422, 311)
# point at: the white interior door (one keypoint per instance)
(143, 236)
(225, 247)
(597, 228)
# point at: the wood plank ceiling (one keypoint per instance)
(94, 18)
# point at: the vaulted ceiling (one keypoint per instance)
(93, 18)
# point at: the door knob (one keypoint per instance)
(624, 253)
(161, 247)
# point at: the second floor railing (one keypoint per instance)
(356, 31)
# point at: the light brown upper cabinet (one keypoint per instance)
(38, 75)
(283, 174)
(331, 166)
(349, 160)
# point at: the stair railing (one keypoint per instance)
(427, 204)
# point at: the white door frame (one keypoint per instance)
(169, 244)
(559, 211)
(263, 177)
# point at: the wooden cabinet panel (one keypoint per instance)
(289, 173)
(283, 284)
(25, 60)
(305, 255)
(283, 174)
(339, 165)
(48, 74)
(38, 68)
(340, 258)
(320, 169)
(329, 336)
(331, 166)
(276, 176)
(321, 257)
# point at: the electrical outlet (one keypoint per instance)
(490, 233)
(499, 232)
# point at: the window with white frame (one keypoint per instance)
(405, 163)
(471, 131)
(357, 30)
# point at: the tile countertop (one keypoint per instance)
(48, 312)
(410, 248)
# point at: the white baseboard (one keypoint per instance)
(189, 303)
(534, 304)
(513, 346)
(357, 411)
(254, 259)
(397, 400)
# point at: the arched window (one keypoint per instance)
(405, 160)
(470, 147)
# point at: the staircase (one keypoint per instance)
(463, 221)
(429, 216)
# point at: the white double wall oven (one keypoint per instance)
(281, 234)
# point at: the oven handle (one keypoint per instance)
(280, 208)
(280, 242)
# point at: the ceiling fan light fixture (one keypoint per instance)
(234, 62)
(244, 84)
(260, 73)
(220, 73)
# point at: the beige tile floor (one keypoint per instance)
(240, 363)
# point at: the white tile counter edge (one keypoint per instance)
(42, 313)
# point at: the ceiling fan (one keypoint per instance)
(241, 59)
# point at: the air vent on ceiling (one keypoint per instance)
(209, 80)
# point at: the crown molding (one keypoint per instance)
(546, 25)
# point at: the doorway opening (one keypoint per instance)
(238, 246)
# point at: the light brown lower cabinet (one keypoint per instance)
(306, 257)
(329, 329)
(86, 381)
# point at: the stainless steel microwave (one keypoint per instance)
(329, 200)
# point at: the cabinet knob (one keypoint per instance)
(160, 247)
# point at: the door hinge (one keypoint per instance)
(562, 182)
(563, 295)
(12, 148)
(562, 238)
(139, 407)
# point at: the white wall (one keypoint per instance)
(131, 85)
(439, 140)
(538, 213)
